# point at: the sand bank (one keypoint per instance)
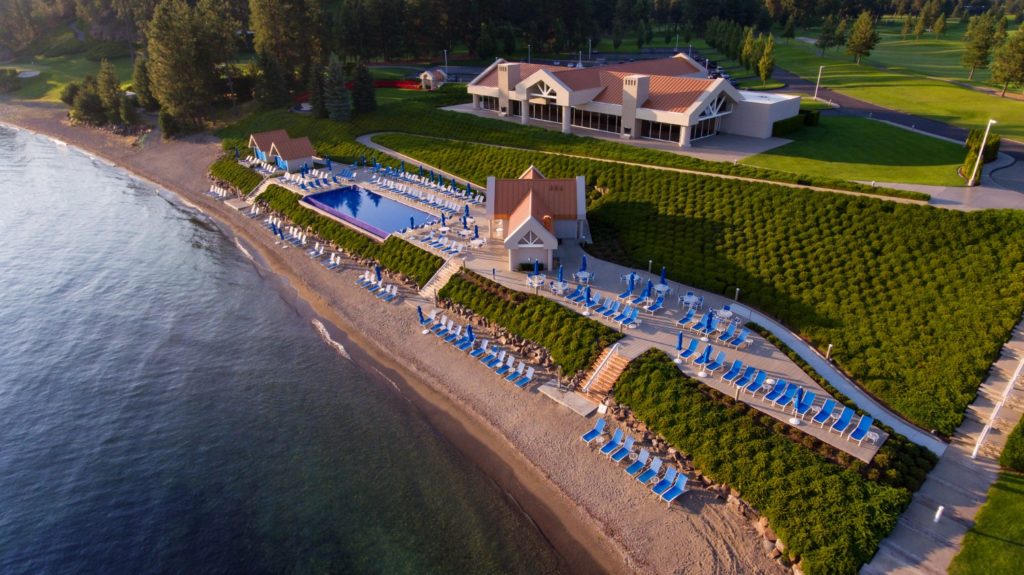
(595, 517)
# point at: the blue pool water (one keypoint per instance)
(372, 212)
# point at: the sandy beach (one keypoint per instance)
(598, 519)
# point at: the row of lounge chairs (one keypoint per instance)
(218, 192)
(503, 363)
(709, 324)
(442, 204)
(425, 182)
(442, 244)
(624, 315)
(647, 471)
(297, 237)
(260, 166)
(386, 292)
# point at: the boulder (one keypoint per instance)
(761, 525)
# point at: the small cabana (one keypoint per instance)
(262, 142)
(432, 79)
(291, 155)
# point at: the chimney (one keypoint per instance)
(635, 91)
(508, 77)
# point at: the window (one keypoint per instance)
(488, 103)
(704, 129)
(659, 131)
(546, 112)
(531, 240)
(517, 108)
(596, 121)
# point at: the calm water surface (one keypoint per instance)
(165, 409)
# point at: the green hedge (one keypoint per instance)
(830, 517)
(574, 341)
(9, 80)
(394, 254)
(1013, 453)
(229, 170)
(899, 462)
(783, 128)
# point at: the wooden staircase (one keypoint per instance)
(441, 277)
(603, 375)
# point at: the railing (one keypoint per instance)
(995, 410)
(600, 366)
(439, 271)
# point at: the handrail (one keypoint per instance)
(995, 411)
(600, 367)
(438, 272)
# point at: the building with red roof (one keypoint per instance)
(669, 99)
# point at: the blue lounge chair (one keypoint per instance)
(728, 333)
(595, 302)
(787, 397)
(619, 454)
(657, 305)
(666, 481)
(491, 353)
(843, 423)
(689, 351)
(678, 489)
(390, 297)
(803, 406)
(603, 307)
(509, 364)
(757, 384)
(496, 362)
(622, 316)
(612, 311)
(525, 379)
(518, 371)
(467, 342)
(614, 443)
(640, 462)
(861, 431)
(642, 298)
(575, 294)
(444, 329)
(687, 317)
(710, 326)
(734, 371)
(777, 391)
(716, 364)
(428, 319)
(824, 412)
(747, 377)
(454, 335)
(580, 298)
(631, 319)
(480, 350)
(740, 340)
(652, 472)
(594, 433)
(626, 294)
(705, 356)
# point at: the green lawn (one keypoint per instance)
(863, 149)
(914, 94)
(392, 72)
(57, 71)
(995, 545)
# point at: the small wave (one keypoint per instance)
(245, 251)
(322, 330)
(191, 205)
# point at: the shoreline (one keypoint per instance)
(585, 507)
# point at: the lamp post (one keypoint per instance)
(828, 352)
(590, 49)
(446, 62)
(818, 83)
(579, 63)
(981, 153)
(529, 52)
(650, 263)
(737, 296)
(677, 42)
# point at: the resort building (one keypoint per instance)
(531, 213)
(277, 147)
(669, 99)
(432, 79)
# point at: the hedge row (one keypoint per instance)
(1013, 452)
(899, 462)
(829, 517)
(229, 170)
(573, 341)
(394, 254)
(917, 301)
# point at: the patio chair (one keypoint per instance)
(740, 340)
(509, 364)
(612, 311)
(628, 293)
(757, 384)
(787, 397)
(453, 336)
(687, 317)
(480, 349)
(525, 380)
(777, 391)
(492, 352)
(734, 371)
(726, 335)
(803, 406)
(705, 356)
(575, 294)
(623, 451)
(614, 443)
(747, 377)
(666, 481)
(518, 371)
(862, 429)
(631, 320)
(843, 422)
(594, 433)
(651, 473)
(429, 319)
(678, 489)
(639, 463)
(497, 361)
(824, 412)
(689, 351)
(716, 364)
(623, 315)
(657, 305)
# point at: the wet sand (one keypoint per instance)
(595, 517)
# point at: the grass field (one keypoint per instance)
(57, 71)
(918, 95)
(859, 148)
(930, 56)
(995, 545)
(392, 72)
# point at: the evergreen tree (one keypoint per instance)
(87, 106)
(789, 31)
(919, 27)
(747, 52)
(906, 27)
(486, 45)
(940, 26)
(827, 35)
(336, 96)
(616, 33)
(978, 48)
(289, 31)
(641, 34)
(863, 37)
(271, 82)
(766, 65)
(840, 36)
(108, 88)
(1008, 64)
(364, 93)
(958, 10)
(140, 83)
(126, 112)
(1000, 33)
(316, 92)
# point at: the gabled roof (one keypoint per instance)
(557, 196)
(531, 210)
(676, 94)
(293, 149)
(436, 74)
(489, 78)
(264, 140)
(677, 65)
(531, 173)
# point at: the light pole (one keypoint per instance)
(677, 42)
(828, 352)
(981, 153)
(446, 62)
(529, 52)
(579, 63)
(590, 49)
(737, 297)
(818, 83)
(650, 263)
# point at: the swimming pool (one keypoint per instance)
(368, 211)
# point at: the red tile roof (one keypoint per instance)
(264, 140)
(294, 149)
(557, 197)
(531, 173)
(525, 71)
(675, 94)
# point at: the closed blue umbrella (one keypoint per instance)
(536, 266)
(476, 232)
(465, 224)
(330, 166)
(443, 223)
(583, 266)
(421, 170)
(632, 283)
(663, 282)
(419, 311)
(587, 297)
(376, 272)
(469, 333)
(402, 167)
(679, 340)
(648, 288)
(561, 271)
(236, 152)
(412, 222)
(465, 210)
(469, 188)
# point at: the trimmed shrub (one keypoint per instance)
(811, 117)
(9, 80)
(574, 341)
(785, 127)
(1013, 453)
(243, 179)
(830, 517)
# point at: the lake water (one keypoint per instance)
(166, 409)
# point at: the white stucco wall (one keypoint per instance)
(754, 115)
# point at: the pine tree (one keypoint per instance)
(940, 26)
(839, 38)
(1008, 64)
(906, 27)
(140, 83)
(108, 88)
(978, 48)
(919, 27)
(789, 31)
(827, 35)
(126, 112)
(271, 82)
(747, 51)
(766, 65)
(1000, 34)
(316, 92)
(863, 37)
(364, 93)
(336, 96)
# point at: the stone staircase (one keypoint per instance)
(605, 372)
(441, 277)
